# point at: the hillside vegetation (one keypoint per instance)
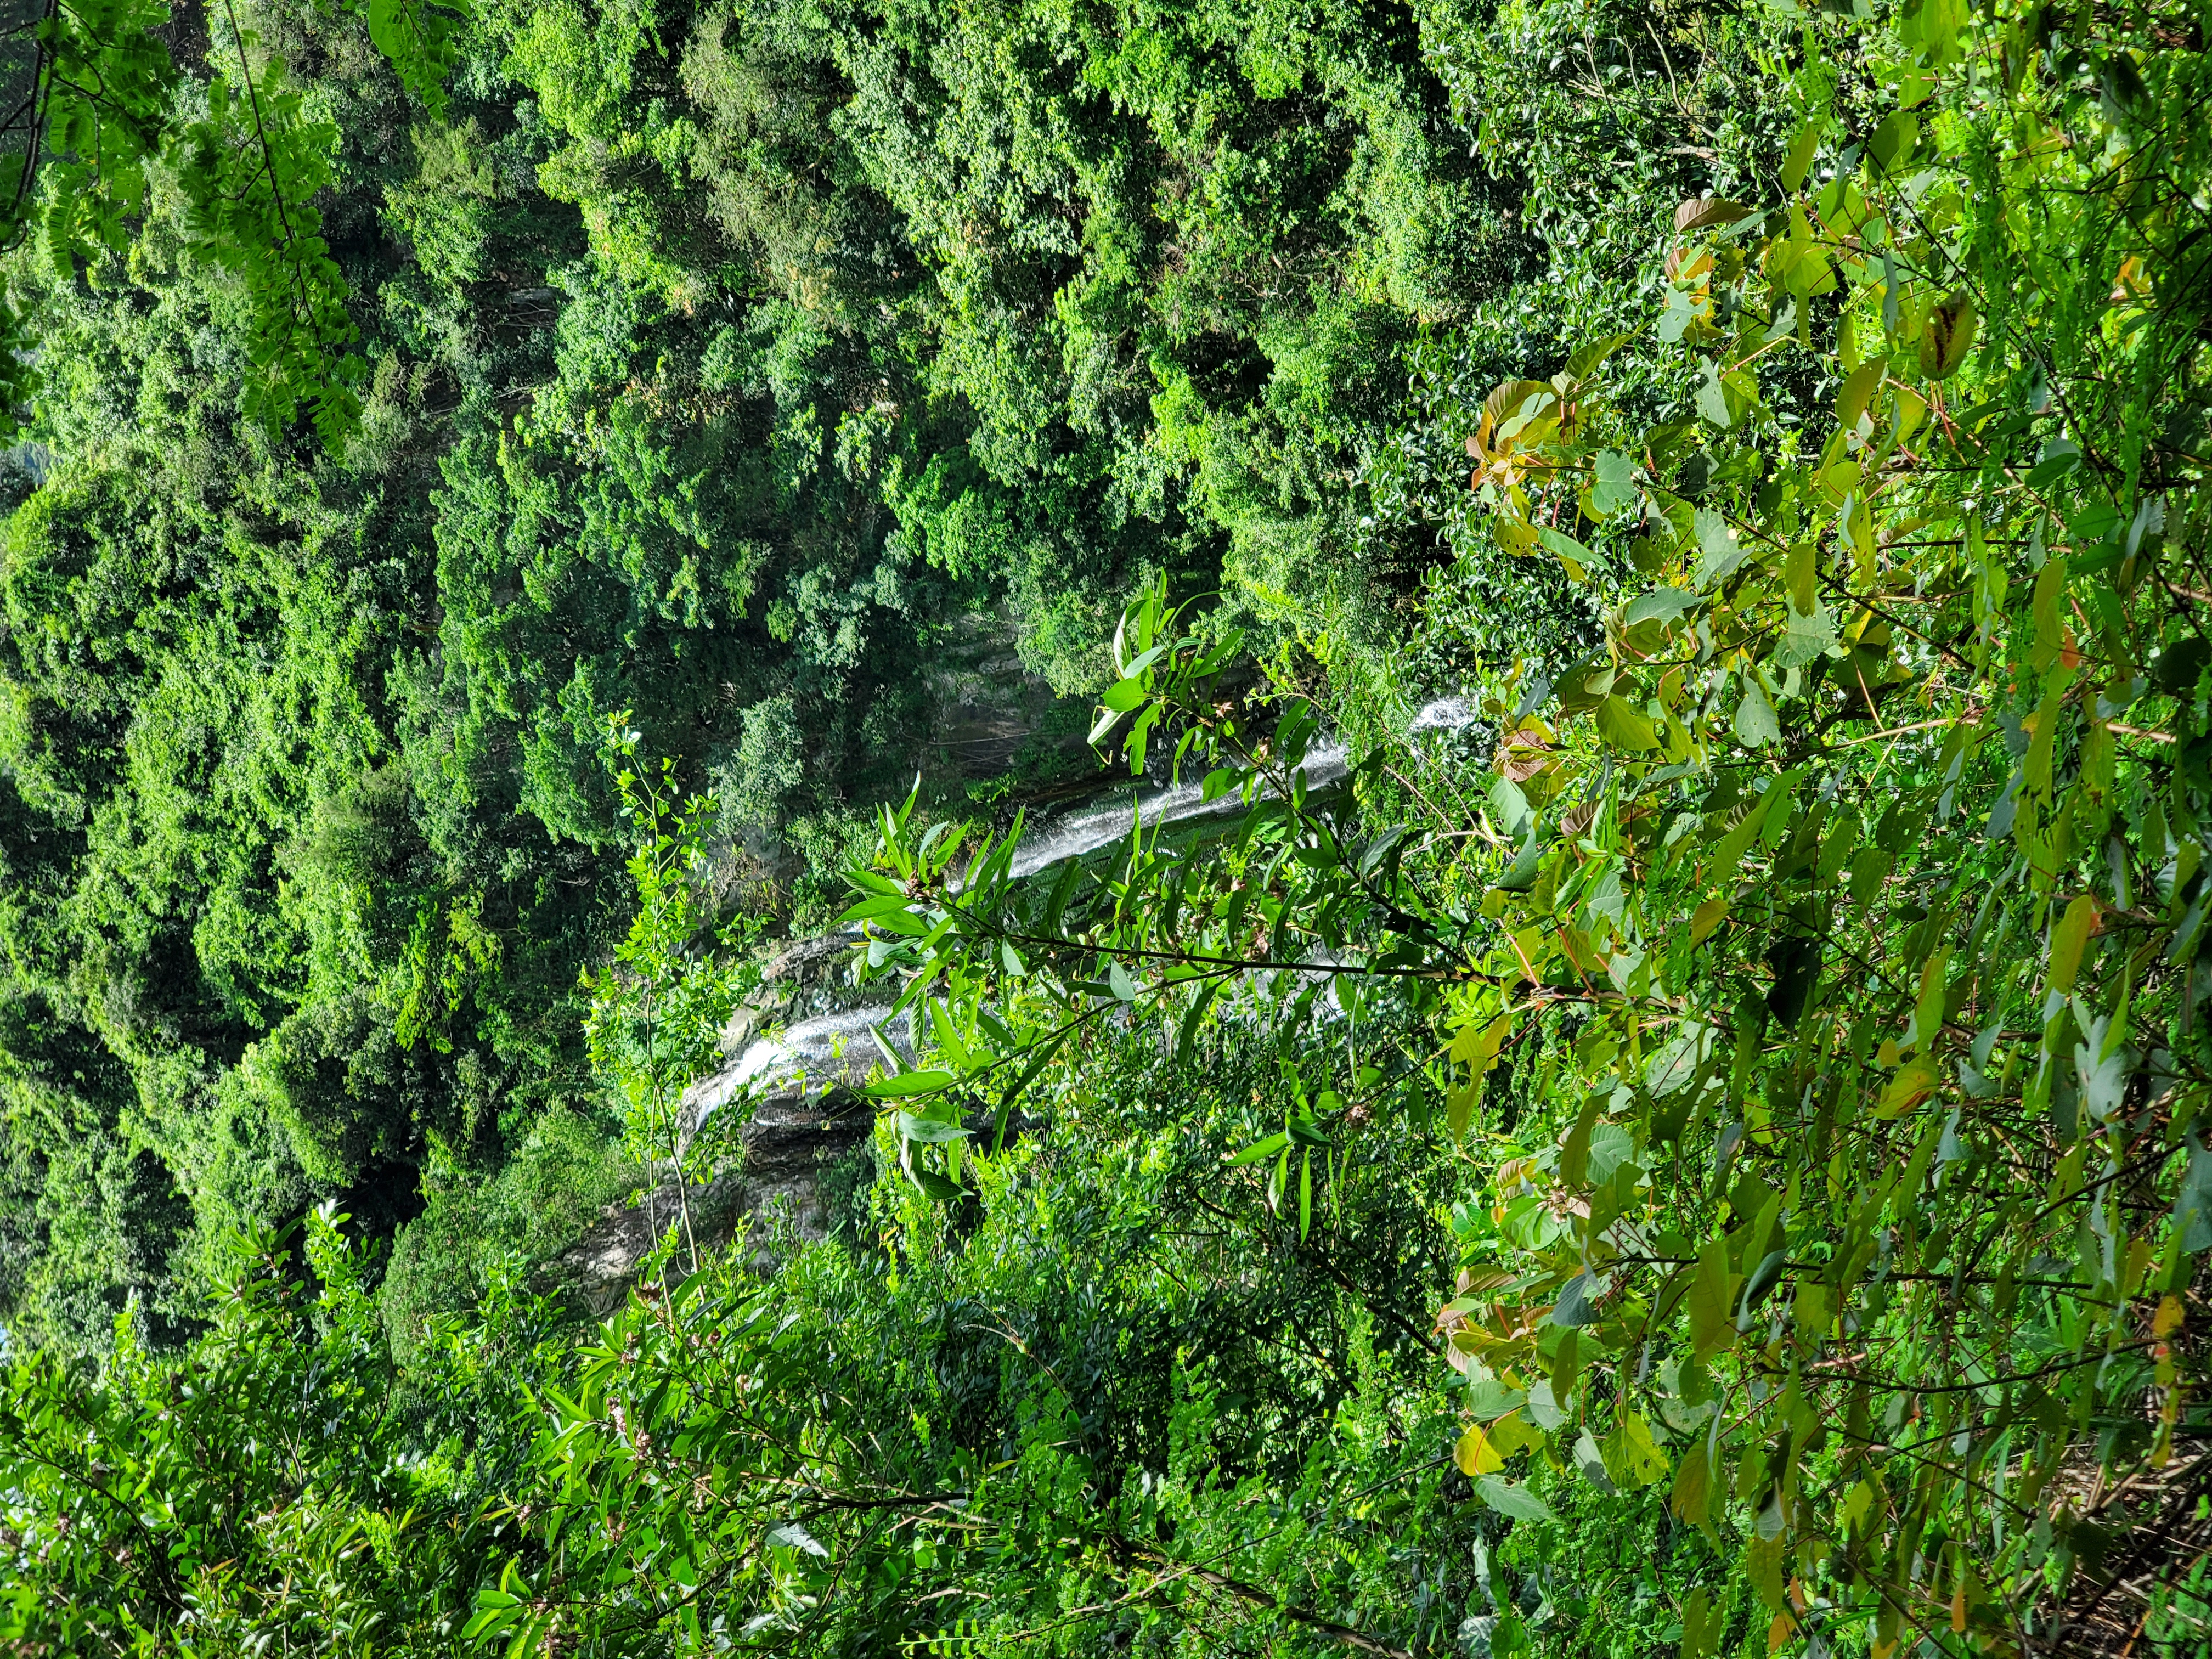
(1695, 1145)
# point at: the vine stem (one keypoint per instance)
(269, 162)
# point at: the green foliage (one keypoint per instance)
(474, 1227)
(1118, 1400)
(1867, 1232)
(171, 1506)
(249, 171)
(101, 112)
(1051, 1427)
(1777, 1014)
(98, 83)
(659, 1010)
(817, 386)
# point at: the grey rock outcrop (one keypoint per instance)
(795, 1080)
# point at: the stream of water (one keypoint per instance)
(833, 1049)
(1086, 831)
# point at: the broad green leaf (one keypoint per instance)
(1588, 1461)
(1705, 211)
(1892, 143)
(489, 1617)
(1737, 840)
(1545, 1407)
(1757, 1284)
(1574, 1148)
(898, 918)
(1673, 1066)
(1521, 875)
(1510, 804)
(1928, 1005)
(911, 1082)
(1488, 1399)
(1857, 392)
(1614, 485)
(2057, 462)
(1514, 1502)
(1801, 574)
(1459, 1103)
(1585, 684)
(1663, 603)
(1764, 1561)
(1705, 1621)
(1858, 1506)
(1755, 724)
(1477, 1047)
(1610, 1146)
(1511, 1434)
(1584, 360)
(2048, 607)
(1474, 1454)
(1720, 550)
(790, 1534)
(1810, 636)
(1632, 1458)
(1576, 557)
(1260, 1150)
(1949, 336)
(1712, 1324)
(1713, 401)
(1578, 1302)
(2192, 1206)
(1803, 148)
(1691, 1498)
(872, 909)
(1625, 726)
(936, 1186)
(1916, 1080)
(2069, 939)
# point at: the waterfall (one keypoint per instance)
(835, 1050)
(1085, 832)
(1445, 714)
(809, 1057)
(1082, 833)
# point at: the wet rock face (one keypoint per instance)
(807, 1032)
(787, 1147)
(792, 1054)
(989, 711)
(796, 1051)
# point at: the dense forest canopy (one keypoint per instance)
(817, 386)
(1651, 1100)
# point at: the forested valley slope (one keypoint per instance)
(1635, 1085)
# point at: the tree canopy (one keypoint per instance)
(1649, 1097)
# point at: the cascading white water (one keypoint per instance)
(812, 1055)
(835, 1050)
(831, 1041)
(1445, 714)
(1085, 832)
